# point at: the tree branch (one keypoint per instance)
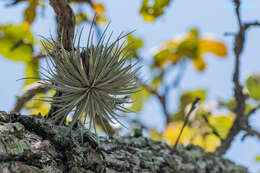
(241, 120)
(239, 110)
(66, 26)
(66, 22)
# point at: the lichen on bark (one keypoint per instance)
(32, 144)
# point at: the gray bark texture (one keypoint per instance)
(29, 144)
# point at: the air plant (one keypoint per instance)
(95, 80)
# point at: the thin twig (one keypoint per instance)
(248, 25)
(229, 34)
(250, 132)
(38, 57)
(186, 120)
(237, 9)
(161, 98)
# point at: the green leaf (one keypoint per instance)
(30, 12)
(81, 17)
(16, 42)
(155, 135)
(31, 70)
(175, 50)
(138, 99)
(156, 82)
(253, 86)
(257, 158)
(190, 46)
(135, 44)
(222, 124)
(161, 56)
(186, 99)
(151, 9)
(229, 104)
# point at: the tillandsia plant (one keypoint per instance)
(95, 81)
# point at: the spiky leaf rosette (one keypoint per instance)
(94, 81)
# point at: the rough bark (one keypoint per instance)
(30, 144)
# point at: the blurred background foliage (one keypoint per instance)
(208, 125)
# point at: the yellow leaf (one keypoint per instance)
(211, 143)
(100, 19)
(167, 54)
(34, 103)
(81, 17)
(31, 70)
(192, 47)
(30, 12)
(171, 43)
(99, 8)
(257, 158)
(172, 131)
(165, 57)
(199, 64)
(152, 9)
(212, 46)
(148, 18)
(198, 140)
(16, 42)
(68, 120)
(43, 110)
(222, 123)
(134, 44)
(191, 135)
(189, 46)
(138, 99)
(155, 135)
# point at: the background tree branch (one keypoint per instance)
(241, 120)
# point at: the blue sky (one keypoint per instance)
(209, 16)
